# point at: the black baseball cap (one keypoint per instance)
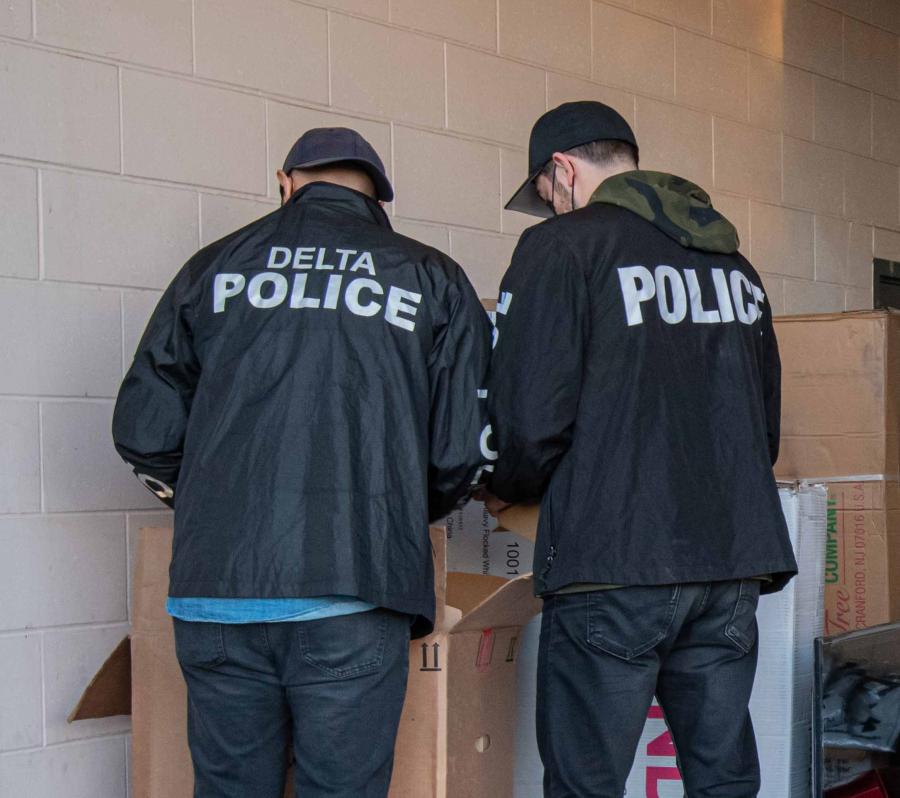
(324, 145)
(562, 128)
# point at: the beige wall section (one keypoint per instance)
(134, 132)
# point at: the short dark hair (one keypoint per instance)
(605, 152)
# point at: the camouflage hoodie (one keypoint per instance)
(681, 209)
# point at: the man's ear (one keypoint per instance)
(565, 169)
(285, 185)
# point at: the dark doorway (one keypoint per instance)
(886, 290)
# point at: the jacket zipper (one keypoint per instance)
(552, 550)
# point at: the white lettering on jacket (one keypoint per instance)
(678, 291)
(305, 291)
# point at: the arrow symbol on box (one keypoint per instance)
(436, 651)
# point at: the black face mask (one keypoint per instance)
(550, 203)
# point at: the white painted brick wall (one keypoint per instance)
(132, 132)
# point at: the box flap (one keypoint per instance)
(150, 586)
(109, 692)
(438, 535)
(467, 591)
(514, 604)
(521, 519)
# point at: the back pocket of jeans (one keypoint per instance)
(741, 628)
(199, 644)
(344, 646)
(628, 621)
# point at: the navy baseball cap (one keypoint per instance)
(562, 128)
(324, 145)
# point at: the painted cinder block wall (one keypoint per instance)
(133, 132)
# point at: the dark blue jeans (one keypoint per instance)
(603, 655)
(331, 689)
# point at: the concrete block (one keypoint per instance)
(21, 722)
(18, 222)
(469, 21)
(747, 160)
(492, 97)
(468, 173)
(59, 340)
(61, 569)
(633, 52)
(15, 19)
(91, 232)
(240, 43)
(560, 39)
(871, 57)
(781, 97)
(886, 123)
(91, 769)
(190, 133)
(782, 241)
(20, 490)
(802, 296)
(812, 176)
(386, 72)
(58, 108)
(711, 75)
(156, 34)
(871, 191)
(843, 116)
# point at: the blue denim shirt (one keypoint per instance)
(254, 610)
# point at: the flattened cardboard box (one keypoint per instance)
(458, 722)
(840, 410)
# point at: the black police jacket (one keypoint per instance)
(635, 390)
(306, 395)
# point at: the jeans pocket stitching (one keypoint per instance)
(354, 670)
(732, 632)
(218, 644)
(622, 652)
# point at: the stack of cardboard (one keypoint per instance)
(457, 730)
(841, 426)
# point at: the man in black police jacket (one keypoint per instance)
(306, 395)
(634, 390)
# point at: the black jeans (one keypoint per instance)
(333, 688)
(603, 655)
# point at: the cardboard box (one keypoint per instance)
(862, 557)
(458, 724)
(840, 396)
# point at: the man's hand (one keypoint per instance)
(494, 505)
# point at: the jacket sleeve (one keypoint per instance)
(536, 369)
(771, 381)
(458, 420)
(150, 418)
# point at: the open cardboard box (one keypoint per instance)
(456, 733)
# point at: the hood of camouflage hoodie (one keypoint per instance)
(681, 209)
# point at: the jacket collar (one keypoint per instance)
(343, 200)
